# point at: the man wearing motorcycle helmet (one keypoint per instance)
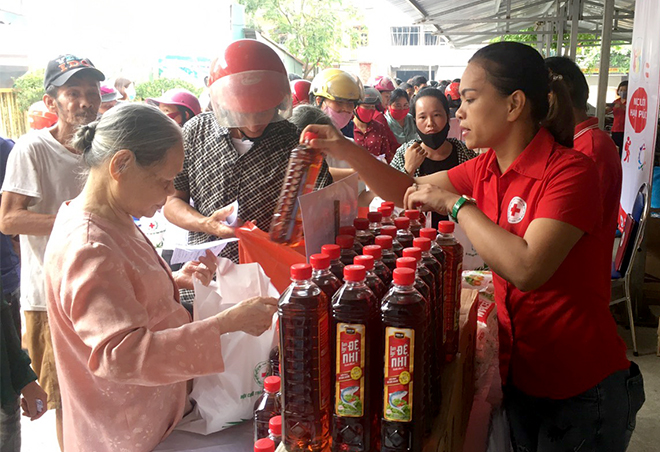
(337, 93)
(178, 103)
(370, 134)
(240, 151)
(453, 97)
(385, 86)
(300, 91)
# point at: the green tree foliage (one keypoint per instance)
(312, 30)
(158, 86)
(29, 88)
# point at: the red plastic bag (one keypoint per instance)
(255, 245)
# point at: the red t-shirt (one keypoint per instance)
(377, 139)
(559, 340)
(619, 113)
(599, 147)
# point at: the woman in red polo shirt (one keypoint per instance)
(532, 209)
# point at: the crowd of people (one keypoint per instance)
(110, 342)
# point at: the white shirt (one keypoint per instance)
(41, 168)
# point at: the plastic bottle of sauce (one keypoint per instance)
(415, 225)
(350, 230)
(380, 269)
(436, 251)
(358, 363)
(387, 253)
(336, 266)
(267, 406)
(301, 174)
(305, 363)
(403, 234)
(391, 231)
(347, 253)
(387, 212)
(372, 280)
(404, 330)
(275, 430)
(375, 222)
(451, 286)
(264, 445)
(363, 234)
(323, 277)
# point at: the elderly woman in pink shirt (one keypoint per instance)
(124, 346)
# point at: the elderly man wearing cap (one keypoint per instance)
(43, 171)
(240, 151)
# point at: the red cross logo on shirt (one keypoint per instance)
(516, 210)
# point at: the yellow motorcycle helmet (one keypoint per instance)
(335, 84)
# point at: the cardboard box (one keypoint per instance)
(449, 427)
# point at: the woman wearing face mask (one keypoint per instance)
(434, 151)
(401, 123)
(178, 104)
(337, 92)
(372, 135)
(532, 208)
(618, 110)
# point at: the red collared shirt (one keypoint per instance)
(599, 147)
(377, 139)
(559, 340)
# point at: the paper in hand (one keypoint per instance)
(232, 219)
(188, 253)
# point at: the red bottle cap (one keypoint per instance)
(301, 271)
(376, 251)
(275, 425)
(402, 222)
(386, 211)
(429, 233)
(361, 224)
(412, 214)
(347, 230)
(413, 252)
(375, 217)
(389, 230)
(345, 241)
(387, 204)
(319, 261)
(422, 243)
(333, 251)
(309, 136)
(446, 227)
(354, 273)
(406, 262)
(264, 445)
(365, 260)
(272, 384)
(384, 241)
(403, 276)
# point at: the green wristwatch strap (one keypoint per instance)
(453, 216)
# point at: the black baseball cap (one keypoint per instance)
(60, 70)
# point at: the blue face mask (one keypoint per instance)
(130, 92)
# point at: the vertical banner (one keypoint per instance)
(642, 111)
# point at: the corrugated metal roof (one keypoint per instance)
(465, 22)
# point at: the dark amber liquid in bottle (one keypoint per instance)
(337, 269)
(453, 270)
(415, 226)
(404, 309)
(305, 365)
(389, 257)
(435, 268)
(405, 238)
(328, 283)
(267, 406)
(365, 238)
(356, 320)
(383, 272)
(376, 285)
(347, 255)
(428, 291)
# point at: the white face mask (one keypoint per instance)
(130, 92)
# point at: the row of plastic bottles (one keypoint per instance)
(360, 362)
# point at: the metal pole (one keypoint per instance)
(604, 70)
(548, 39)
(560, 28)
(575, 18)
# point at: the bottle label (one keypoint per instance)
(349, 386)
(324, 360)
(399, 357)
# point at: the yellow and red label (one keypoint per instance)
(399, 366)
(349, 381)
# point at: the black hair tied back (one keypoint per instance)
(88, 131)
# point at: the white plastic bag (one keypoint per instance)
(226, 399)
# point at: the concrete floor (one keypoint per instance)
(40, 435)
